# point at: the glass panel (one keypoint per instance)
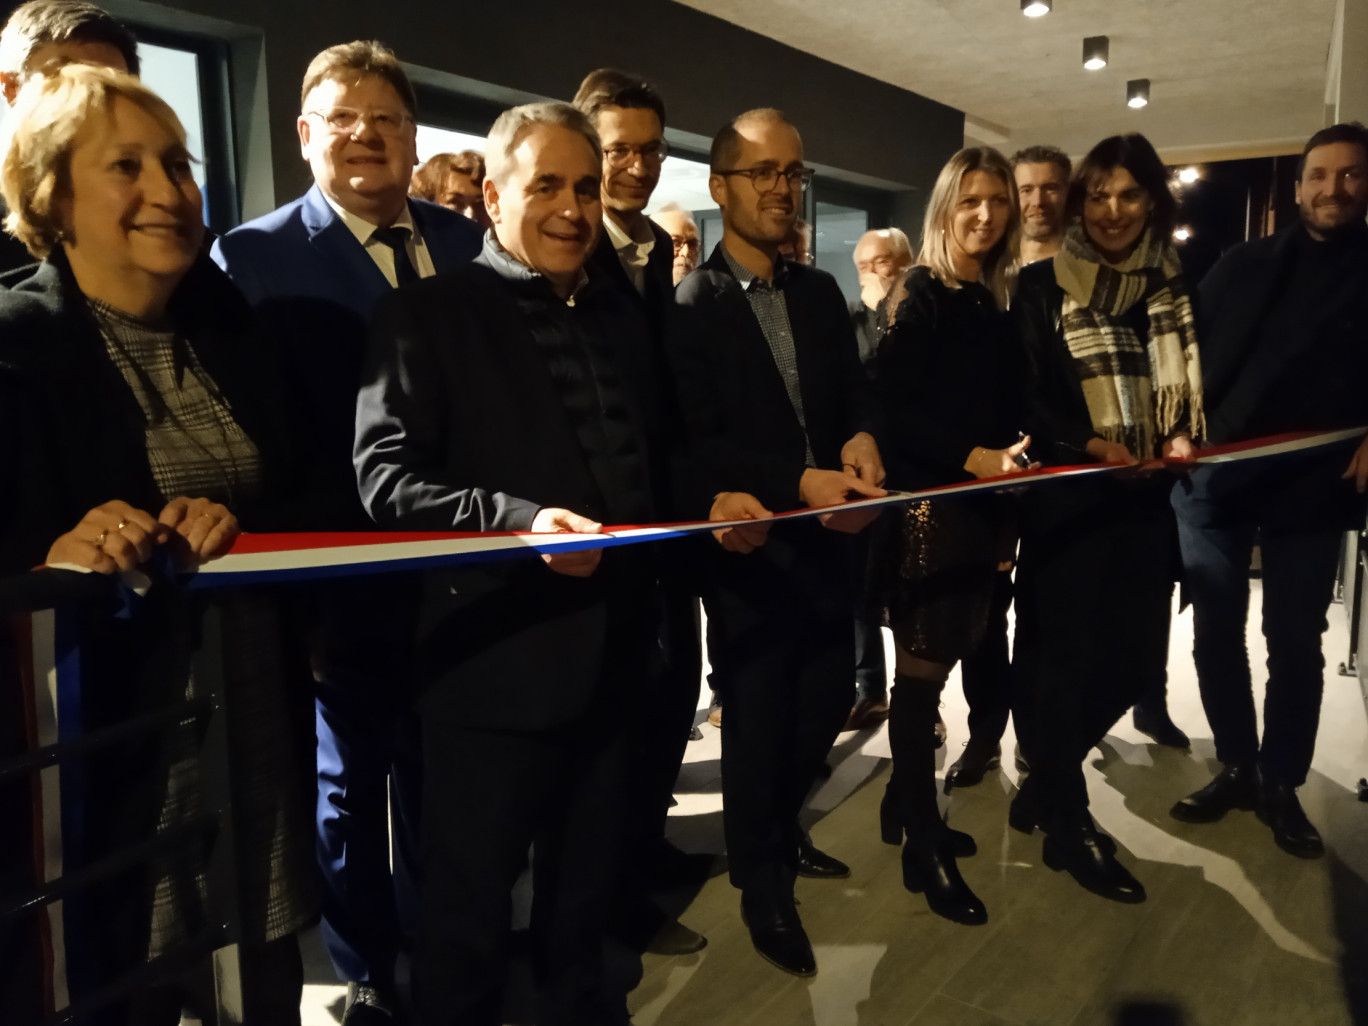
(173, 74)
(838, 230)
(433, 140)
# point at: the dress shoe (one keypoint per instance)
(778, 936)
(695, 734)
(962, 845)
(1235, 787)
(1025, 813)
(1090, 858)
(969, 768)
(1158, 724)
(368, 1005)
(1281, 810)
(817, 864)
(674, 938)
(933, 872)
(868, 712)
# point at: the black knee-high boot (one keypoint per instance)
(928, 857)
(892, 819)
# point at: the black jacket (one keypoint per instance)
(66, 411)
(460, 427)
(740, 428)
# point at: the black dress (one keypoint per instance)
(949, 377)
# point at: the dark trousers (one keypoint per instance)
(779, 622)
(1298, 584)
(368, 766)
(1093, 591)
(489, 795)
(986, 672)
(871, 669)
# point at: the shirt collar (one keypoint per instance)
(639, 246)
(363, 229)
(746, 279)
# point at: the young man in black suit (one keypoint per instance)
(501, 398)
(778, 415)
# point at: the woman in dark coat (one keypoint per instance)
(1114, 377)
(143, 422)
(948, 374)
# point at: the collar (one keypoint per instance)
(511, 269)
(363, 229)
(638, 247)
(745, 278)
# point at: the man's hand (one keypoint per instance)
(740, 506)
(113, 536)
(1110, 452)
(860, 456)
(1357, 470)
(819, 488)
(201, 530)
(1179, 447)
(580, 562)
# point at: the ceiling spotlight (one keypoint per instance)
(1182, 233)
(1095, 51)
(1189, 175)
(1035, 8)
(1137, 93)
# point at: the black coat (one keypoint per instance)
(741, 431)
(460, 427)
(69, 419)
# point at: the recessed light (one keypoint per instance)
(1182, 233)
(1137, 93)
(1095, 52)
(1035, 8)
(1189, 175)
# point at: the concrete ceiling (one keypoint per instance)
(1229, 78)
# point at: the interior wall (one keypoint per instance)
(707, 69)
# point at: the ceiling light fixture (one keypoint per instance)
(1035, 8)
(1189, 175)
(1137, 93)
(1182, 233)
(1095, 52)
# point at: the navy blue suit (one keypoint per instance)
(307, 275)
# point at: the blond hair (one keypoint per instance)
(999, 269)
(39, 134)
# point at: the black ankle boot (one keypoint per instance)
(932, 871)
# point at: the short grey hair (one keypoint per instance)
(514, 124)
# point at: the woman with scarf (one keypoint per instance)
(1113, 377)
(949, 377)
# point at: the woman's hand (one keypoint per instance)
(199, 529)
(1179, 447)
(577, 562)
(112, 536)
(997, 462)
(1110, 452)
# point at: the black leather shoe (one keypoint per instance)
(1158, 724)
(935, 874)
(817, 864)
(1090, 858)
(778, 936)
(969, 768)
(1235, 787)
(1024, 813)
(369, 1005)
(674, 938)
(1281, 810)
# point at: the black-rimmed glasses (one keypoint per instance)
(766, 178)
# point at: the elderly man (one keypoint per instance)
(316, 267)
(680, 225)
(779, 415)
(1283, 328)
(502, 398)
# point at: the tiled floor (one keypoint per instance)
(1235, 932)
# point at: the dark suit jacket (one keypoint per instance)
(307, 276)
(658, 301)
(460, 426)
(65, 409)
(742, 433)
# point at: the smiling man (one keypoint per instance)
(1042, 180)
(1283, 328)
(503, 398)
(316, 267)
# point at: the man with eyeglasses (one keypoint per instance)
(317, 266)
(635, 256)
(778, 415)
(682, 229)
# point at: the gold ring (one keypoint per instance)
(122, 525)
(100, 539)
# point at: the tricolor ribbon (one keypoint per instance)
(263, 558)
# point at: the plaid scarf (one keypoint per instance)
(1137, 394)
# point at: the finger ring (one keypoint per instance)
(210, 515)
(122, 525)
(100, 539)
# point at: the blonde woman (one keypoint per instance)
(948, 375)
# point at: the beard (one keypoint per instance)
(1035, 231)
(1353, 223)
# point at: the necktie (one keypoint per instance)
(396, 239)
